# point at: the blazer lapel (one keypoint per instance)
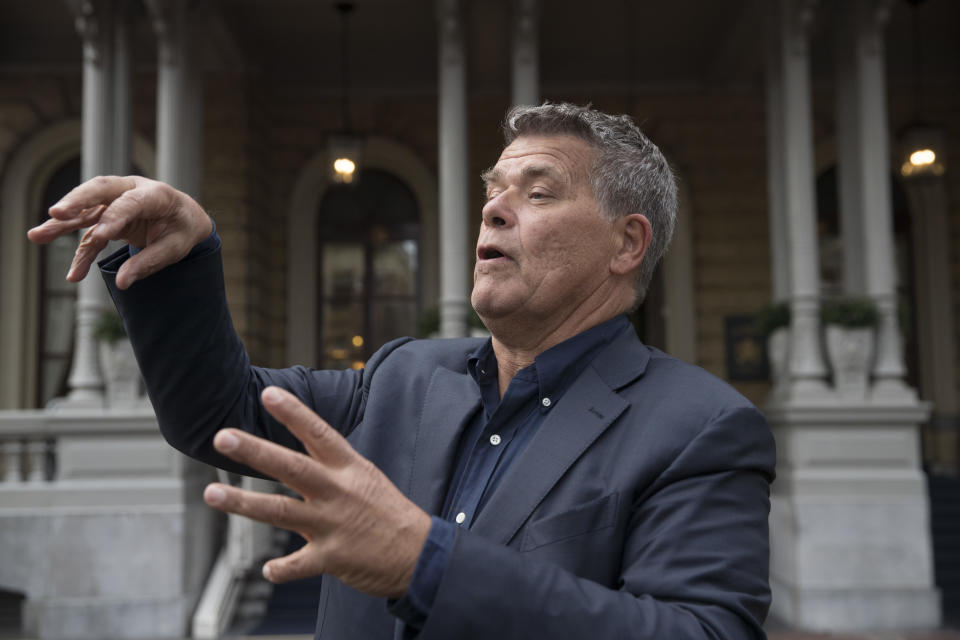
(584, 412)
(450, 401)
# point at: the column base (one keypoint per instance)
(892, 391)
(850, 544)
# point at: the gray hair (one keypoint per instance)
(630, 174)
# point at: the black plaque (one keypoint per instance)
(746, 349)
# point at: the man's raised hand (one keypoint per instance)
(164, 222)
(358, 526)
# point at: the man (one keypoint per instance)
(559, 480)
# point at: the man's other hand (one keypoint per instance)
(154, 216)
(358, 526)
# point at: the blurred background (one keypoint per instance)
(338, 146)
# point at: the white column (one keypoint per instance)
(454, 212)
(94, 21)
(122, 82)
(791, 149)
(526, 55)
(873, 185)
(779, 249)
(179, 96)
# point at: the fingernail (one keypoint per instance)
(271, 394)
(214, 495)
(226, 441)
(61, 203)
(267, 573)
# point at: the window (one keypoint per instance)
(369, 263)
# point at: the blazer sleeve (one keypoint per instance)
(694, 563)
(198, 374)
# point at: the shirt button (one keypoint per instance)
(461, 517)
(495, 439)
(545, 402)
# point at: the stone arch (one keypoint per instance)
(26, 172)
(312, 181)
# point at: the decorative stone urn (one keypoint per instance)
(121, 375)
(778, 345)
(850, 351)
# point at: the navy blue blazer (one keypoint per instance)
(638, 510)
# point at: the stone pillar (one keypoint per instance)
(179, 96)
(94, 21)
(454, 212)
(779, 249)
(793, 195)
(123, 61)
(869, 179)
(526, 54)
(850, 545)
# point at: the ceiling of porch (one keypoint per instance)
(644, 45)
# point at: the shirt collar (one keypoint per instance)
(556, 368)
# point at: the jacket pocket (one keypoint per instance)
(582, 519)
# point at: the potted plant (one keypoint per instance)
(849, 324)
(121, 375)
(773, 322)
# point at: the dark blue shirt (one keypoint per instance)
(494, 438)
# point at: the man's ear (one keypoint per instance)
(633, 233)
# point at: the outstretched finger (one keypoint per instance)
(279, 510)
(87, 251)
(319, 438)
(302, 563)
(301, 473)
(52, 228)
(101, 190)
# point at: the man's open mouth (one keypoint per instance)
(489, 253)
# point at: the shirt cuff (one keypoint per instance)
(415, 606)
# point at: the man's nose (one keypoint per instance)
(497, 212)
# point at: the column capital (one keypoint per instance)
(163, 16)
(796, 19)
(90, 20)
(872, 21)
(525, 16)
(450, 16)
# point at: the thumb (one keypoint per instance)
(302, 563)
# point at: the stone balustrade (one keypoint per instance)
(102, 524)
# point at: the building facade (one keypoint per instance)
(789, 124)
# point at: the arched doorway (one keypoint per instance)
(368, 248)
(303, 288)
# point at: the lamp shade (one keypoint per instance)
(343, 154)
(922, 151)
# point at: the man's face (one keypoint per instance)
(545, 246)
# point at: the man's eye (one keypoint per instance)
(538, 195)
